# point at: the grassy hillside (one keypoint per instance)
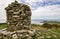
(41, 31)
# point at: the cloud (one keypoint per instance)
(40, 3)
(43, 9)
(48, 12)
(3, 4)
(29, 1)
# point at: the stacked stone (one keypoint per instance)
(19, 34)
(18, 21)
(18, 16)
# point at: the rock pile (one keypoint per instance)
(18, 22)
(19, 34)
(18, 16)
(41, 34)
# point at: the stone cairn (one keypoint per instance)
(18, 22)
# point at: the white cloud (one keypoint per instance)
(49, 12)
(41, 12)
(29, 1)
(3, 4)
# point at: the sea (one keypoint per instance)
(40, 22)
(34, 21)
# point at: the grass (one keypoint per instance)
(57, 31)
(35, 26)
(54, 22)
(3, 25)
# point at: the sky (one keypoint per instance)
(41, 9)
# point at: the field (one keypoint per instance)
(45, 32)
(53, 22)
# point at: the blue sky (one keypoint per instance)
(44, 9)
(41, 9)
(40, 3)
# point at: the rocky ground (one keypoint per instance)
(42, 33)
